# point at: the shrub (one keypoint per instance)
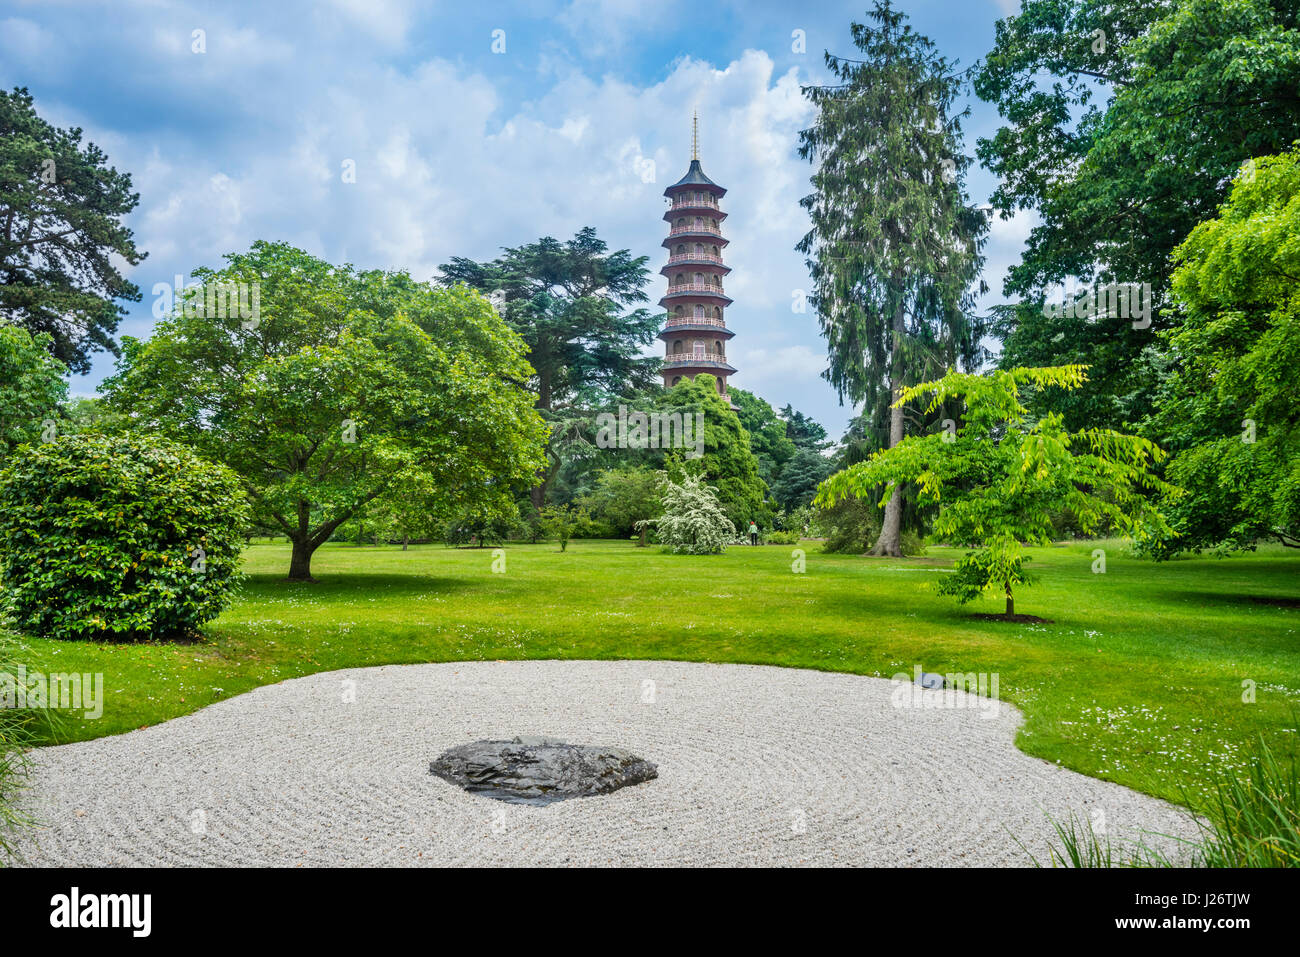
(125, 537)
(782, 538)
(851, 525)
(693, 521)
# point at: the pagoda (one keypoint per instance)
(696, 332)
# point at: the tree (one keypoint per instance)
(894, 248)
(1002, 477)
(803, 431)
(568, 301)
(61, 210)
(562, 521)
(726, 463)
(124, 537)
(1228, 412)
(623, 497)
(1125, 125)
(346, 387)
(799, 479)
(31, 388)
(693, 521)
(768, 434)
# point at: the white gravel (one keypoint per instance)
(757, 765)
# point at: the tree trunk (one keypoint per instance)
(890, 541)
(643, 531)
(1011, 605)
(300, 562)
(406, 540)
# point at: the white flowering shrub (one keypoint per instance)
(693, 522)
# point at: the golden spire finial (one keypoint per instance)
(695, 136)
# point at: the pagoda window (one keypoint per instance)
(699, 278)
(715, 223)
(677, 347)
(717, 346)
(699, 311)
(679, 312)
(699, 249)
(679, 278)
(681, 250)
(676, 379)
(717, 312)
(715, 251)
(699, 349)
(699, 222)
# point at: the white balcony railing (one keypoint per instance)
(694, 257)
(702, 228)
(695, 287)
(682, 202)
(695, 321)
(693, 358)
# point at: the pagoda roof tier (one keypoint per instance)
(687, 262)
(690, 235)
(675, 212)
(683, 296)
(674, 329)
(688, 364)
(695, 177)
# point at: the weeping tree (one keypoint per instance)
(894, 249)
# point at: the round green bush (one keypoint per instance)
(124, 537)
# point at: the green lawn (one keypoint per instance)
(1138, 681)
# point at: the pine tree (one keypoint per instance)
(894, 249)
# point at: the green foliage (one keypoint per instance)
(1229, 412)
(783, 537)
(124, 538)
(894, 247)
(849, 525)
(63, 238)
(489, 522)
(623, 497)
(802, 430)
(567, 302)
(768, 433)
(727, 464)
(562, 522)
(693, 521)
(799, 479)
(348, 387)
(1002, 479)
(31, 386)
(1122, 147)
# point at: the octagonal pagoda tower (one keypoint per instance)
(696, 332)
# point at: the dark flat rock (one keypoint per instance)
(538, 770)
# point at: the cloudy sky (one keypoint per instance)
(471, 126)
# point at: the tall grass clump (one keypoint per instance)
(15, 738)
(1251, 821)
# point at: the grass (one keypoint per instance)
(1252, 822)
(1139, 680)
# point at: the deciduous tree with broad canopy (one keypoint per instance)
(1230, 411)
(1000, 479)
(348, 386)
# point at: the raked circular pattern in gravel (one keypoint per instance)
(757, 766)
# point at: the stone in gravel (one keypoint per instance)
(538, 770)
(931, 680)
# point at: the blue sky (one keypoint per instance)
(459, 150)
